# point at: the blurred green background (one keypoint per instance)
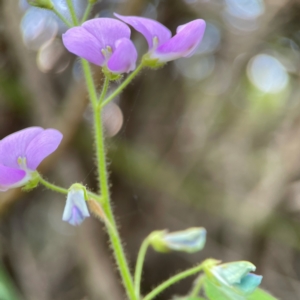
(212, 140)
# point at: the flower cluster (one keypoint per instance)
(106, 42)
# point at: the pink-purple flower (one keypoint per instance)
(104, 42)
(22, 152)
(162, 46)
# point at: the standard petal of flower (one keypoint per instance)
(107, 31)
(190, 240)
(41, 146)
(233, 272)
(183, 44)
(124, 57)
(148, 28)
(82, 43)
(14, 146)
(9, 177)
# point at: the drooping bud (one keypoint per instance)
(76, 209)
(235, 276)
(47, 4)
(190, 240)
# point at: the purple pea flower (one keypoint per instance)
(162, 46)
(104, 42)
(22, 152)
(76, 209)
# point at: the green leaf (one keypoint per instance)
(260, 294)
(216, 291)
(190, 298)
(7, 288)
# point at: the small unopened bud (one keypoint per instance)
(189, 240)
(76, 209)
(235, 276)
(47, 4)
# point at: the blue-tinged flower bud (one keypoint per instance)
(76, 209)
(47, 4)
(189, 240)
(236, 276)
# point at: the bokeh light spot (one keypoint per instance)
(267, 74)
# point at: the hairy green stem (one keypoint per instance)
(104, 89)
(64, 191)
(89, 83)
(72, 12)
(104, 186)
(87, 12)
(122, 85)
(173, 280)
(61, 17)
(139, 266)
(53, 187)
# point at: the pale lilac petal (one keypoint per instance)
(124, 57)
(83, 44)
(183, 44)
(107, 31)
(148, 28)
(14, 146)
(9, 177)
(41, 146)
(76, 209)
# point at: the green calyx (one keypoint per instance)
(47, 4)
(32, 183)
(77, 187)
(152, 63)
(157, 242)
(111, 76)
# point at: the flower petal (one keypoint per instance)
(83, 44)
(189, 240)
(148, 28)
(9, 177)
(14, 146)
(41, 146)
(249, 283)
(124, 57)
(76, 207)
(107, 31)
(183, 44)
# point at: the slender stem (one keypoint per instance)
(123, 85)
(61, 17)
(72, 12)
(173, 280)
(53, 187)
(104, 89)
(64, 191)
(87, 12)
(197, 287)
(103, 180)
(139, 266)
(89, 82)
